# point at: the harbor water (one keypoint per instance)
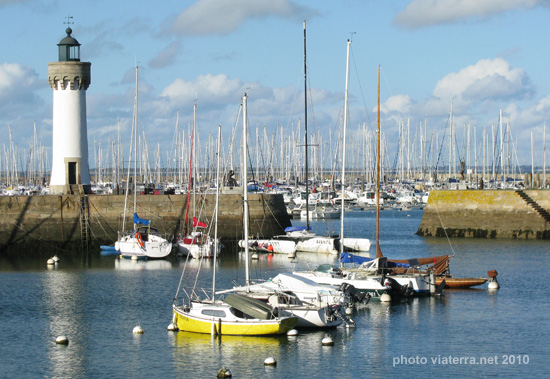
(97, 302)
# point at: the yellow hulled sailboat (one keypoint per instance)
(234, 314)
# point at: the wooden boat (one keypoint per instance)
(452, 282)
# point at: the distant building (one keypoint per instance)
(69, 79)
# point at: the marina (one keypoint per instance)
(248, 255)
(97, 303)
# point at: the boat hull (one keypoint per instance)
(190, 322)
(460, 282)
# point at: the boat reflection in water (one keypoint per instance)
(131, 264)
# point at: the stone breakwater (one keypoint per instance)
(487, 214)
(30, 224)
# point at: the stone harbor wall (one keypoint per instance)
(29, 223)
(487, 214)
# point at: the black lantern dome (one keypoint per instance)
(69, 48)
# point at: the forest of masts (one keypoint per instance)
(415, 155)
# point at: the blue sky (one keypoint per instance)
(482, 56)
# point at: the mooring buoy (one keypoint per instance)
(385, 298)
(62, 340)
(327, 341)
(224, 373)
(138, 330)
(270, 361)
(292, 332)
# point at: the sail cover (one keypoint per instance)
(295, 228)
(140, 221)
(350, 258)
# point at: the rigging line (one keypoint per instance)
(444, 229)
(181, 279)
(360, 87)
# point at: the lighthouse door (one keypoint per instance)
(72, 172)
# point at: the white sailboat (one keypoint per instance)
(143, 241)
(235, 314)
(198, 243)
(315, 305)
(306, 240)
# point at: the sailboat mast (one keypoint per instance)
(305, 123)
(245, 192)
(344, 151)
(378, 251)
(216, 212)
(190, 177)
(135, 144)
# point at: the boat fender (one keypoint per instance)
(139, 239)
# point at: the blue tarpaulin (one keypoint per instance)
(295, 228)
(140, 221)
(350, 258)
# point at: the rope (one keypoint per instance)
(444, 229)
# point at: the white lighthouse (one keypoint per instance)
(69, 79)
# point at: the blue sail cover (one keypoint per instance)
(350, 258)
(296, 228)
(140, 221)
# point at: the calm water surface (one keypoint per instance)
(96, 304)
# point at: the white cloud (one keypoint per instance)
(400, 104)
(222, 17)
(486, 81)
(17, 86)
(434, 12)
(211, 87)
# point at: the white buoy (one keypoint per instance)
(385, 298)
(55, 258)
(50, 262)
(270, 361)
(349, 310)
(493, 285)
(62, 340)
(138, 330)
(327, 341)
(224, 373)
(172, 327)
(292, 332)
(254, 256)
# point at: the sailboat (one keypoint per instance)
(401, 275)
(198, 243)
(143, 241)
(235, 314)
(306, 240)
(370, 279)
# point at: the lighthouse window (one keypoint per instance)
(74, 53)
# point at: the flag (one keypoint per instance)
(198, 223)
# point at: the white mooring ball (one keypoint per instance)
(172, 327)
(494, 285)
(50, 262)
(270, 361)
(327, 341)
(62, 340)
(292, 332)
(138, 330)
(385, 298)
